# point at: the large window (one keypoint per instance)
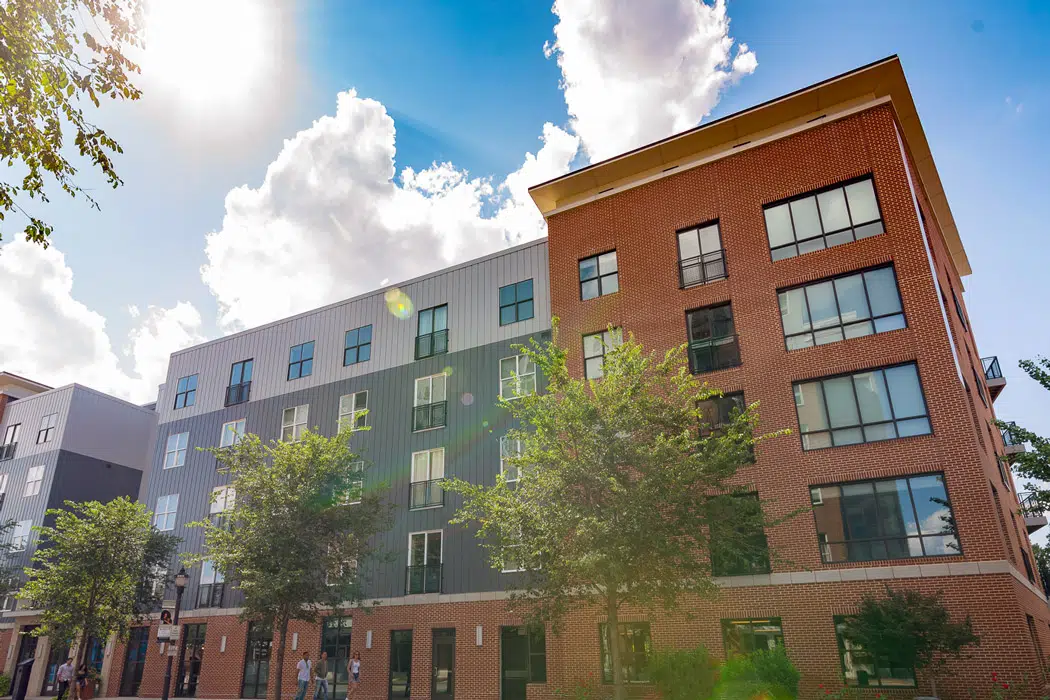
(712, 339)
(212, 586)
(223, 498)
(719, 411)
(358, 345)
(301, 361)
(355, 483)
(515, 303)
(20, 535)
(34, 480)
(175, 450)
(517, 376)
(701, 258)
(736, 534)
(424, 562)
(523, 653)
(428, 469)
(400, 663)
(232, 433)
(599, 275)
(48, 426)
(635, 649)
(743, 636)
(849, 306)
(430, 407)
(432, 332)
(3, 488)
(595, 347)
(879, 404)
(240, 387)
(293, 422)
(859, 669)
(186, 392)
(353, 410)
(10, 444)
(509, 450)
(823, 219)
(885, 519)
(164, 514)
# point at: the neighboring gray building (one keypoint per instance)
(424, 358)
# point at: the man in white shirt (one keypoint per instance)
(64, 676)
(303, 667)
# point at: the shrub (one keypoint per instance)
(763, 672)
(5, 684)
(689, 674)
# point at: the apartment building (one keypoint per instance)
(56, 445)
(805, 251)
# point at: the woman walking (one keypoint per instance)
(354, 667)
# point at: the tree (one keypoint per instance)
(87, 570)
(619, 480)
(156, 573)
(1033, 463)
(908, 629)
(53, 55)
(1042, 563)
(10, 573)
(300, 524)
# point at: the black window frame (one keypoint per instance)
(304, 366)
(406, 639)
(516, 304)
(536, 641)
(871, 319)
(614, 332)
(240, 391)
(599, 276)
(46, 433)
(628, 658)
(435, 334)
(702, 261)
(958, 307)
(893, 420)
(710, 344)
(838, 621)
(729, 624)
(10, 444)
(758, 562)
(825, 234)
(722, 410)
(358, 346)
(185, 392)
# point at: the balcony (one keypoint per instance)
(8, 451)
(1012, 445)
(238, 393)
(423, 579)
(993, 376)
(702, 269)
(210, 595)
(430, 344)
(1032, 512)
(431, 415)
(426, 494)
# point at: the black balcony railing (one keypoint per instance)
(702, 269)
(717, 353)
(8, 451)
(423, 579)
(428, 344)
(1010, 439)
(426, 494)
(210, 595)
(431, 415)
(1029, 505)
(991, 368)
(238, 393)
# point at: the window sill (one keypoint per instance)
(806, 450)
(427, 430)
(695, 373)
(683, 287)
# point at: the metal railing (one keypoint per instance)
(991, 368)
(8, 451)
(428, 344)
(1029, 505)
(210, 595)
(1011, 440)
(431, 415)
(423, 579)
(702, 269)
(713, 354)
(238, 393)
(426, 494)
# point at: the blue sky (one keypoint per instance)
(468, 83)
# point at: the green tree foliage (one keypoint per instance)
(1035, 462)
(684, 674)
(612, 507)
(157, 572)
(765, 673)
(87, 569)
(10, 572)
(54, 56)
(300, 528)
(908, 629)
(1042, 562)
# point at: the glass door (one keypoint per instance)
(257, 660)
(134, 662)
(444, 648)
(55, 658)
(190, 658)
(335, 639)
(514, 663)
(400, 663)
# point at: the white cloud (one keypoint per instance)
(331, 217)
(159, 333)
(634, 72)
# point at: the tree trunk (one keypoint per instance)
(612, 631)
(82, 647)
(280, 657)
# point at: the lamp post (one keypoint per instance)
(181, 579)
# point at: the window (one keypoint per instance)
(293, 422)
(34, 479)
(517, 376)
(635, 648)
(240, 387)
(860, 670)
(358, 347)
(213, 583)
(159, 580)
(524, 650)
(509, 449)
(428, 469)
(748, 635)
(339, 570)
(958, 307)
(223, 499)
(849, 306)
(20, 535)
(301, 361)
(353, 411)
(980, 386)
(885, 519)
(164, 515)
(515, 303)
(3, 488)
(701, 258)
(595, 347)
(429, 407)
(712, 339)
(175, 451)
(719, 411)
(880, 404)
(599, 275)
(432, 332)
(10, 444)
(823, 219)
(355, 483)
(186, 392)
(47, 428)
(513, 560)
(737, 540)
(400, 663)
(232, 433)
(424, 562)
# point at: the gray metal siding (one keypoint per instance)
(108, 429)
(81, 478)
(470, 290)
(471, 442)
(29, 412)
(16, 505)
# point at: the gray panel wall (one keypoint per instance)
(77, 477)
(16, 505)
(29, 412)
(109, 430)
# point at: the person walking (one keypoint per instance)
(64, 676)
(354, 667)
(81, 683)
(304, 676)
(321, 677)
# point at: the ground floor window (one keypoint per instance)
(859, 669)
(335, 639)
(400, 663)
(744, 636)
(257, 660)
(635, 649)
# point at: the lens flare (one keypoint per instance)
(467, 399)
(447, 371)
(398, 303)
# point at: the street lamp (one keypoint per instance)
(181, 579)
